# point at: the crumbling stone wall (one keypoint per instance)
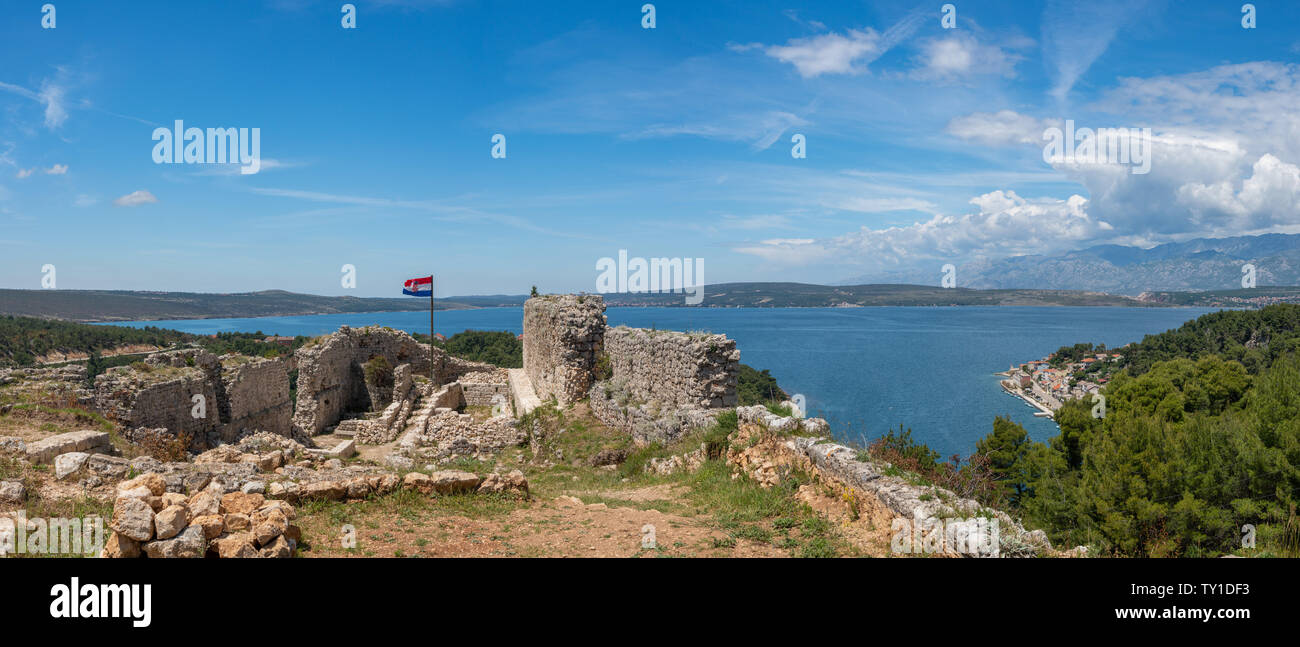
(674, 369)
(256, 397)
(239, 395)
(486, 388)
(562, 336)
(161, 394)
(331, 381)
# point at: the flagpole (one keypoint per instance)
(433, 383)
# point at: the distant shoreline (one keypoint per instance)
(477, 308)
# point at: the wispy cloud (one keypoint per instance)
(832, 53)
(135, 199)
(1076, 34)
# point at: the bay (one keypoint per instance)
(863, 369)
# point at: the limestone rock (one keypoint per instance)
(133, 518)
(453, 481)
(170, 521)
(325, 490)
(279, 548)
(152, 481)
(189, 544)
(236, 546)
(68, 464)
(12, 492)
(241, 503)
(204, 504)
(120, 546)
(236, 522)
(212, 524)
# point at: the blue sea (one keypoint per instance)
(863, 369)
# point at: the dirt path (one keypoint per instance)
(562, 527)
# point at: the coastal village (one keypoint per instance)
(1048, 382)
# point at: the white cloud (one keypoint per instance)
(1004, 223)
(1270, 197)
(842, 54)
(135, 199)
(57, 169)
(25, 173)
(1003, 128)
(962, 55)
(1076, 34)
(51, 96)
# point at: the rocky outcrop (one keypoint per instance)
(562, 336)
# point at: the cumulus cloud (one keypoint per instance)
(57, 169)
(1270, 197)
(24, 173)
(1002, 223)
(135, 199)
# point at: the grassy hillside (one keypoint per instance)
(805, 295)
(124, 305)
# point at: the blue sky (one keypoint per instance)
(923, 143)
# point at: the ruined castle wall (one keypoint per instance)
(257, 397)
(674, 369)
(160, 398)
(562, 336)
(331, 380)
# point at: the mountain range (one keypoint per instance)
(1193, 265)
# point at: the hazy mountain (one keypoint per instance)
(1200, 264)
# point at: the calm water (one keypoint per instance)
(864, 369)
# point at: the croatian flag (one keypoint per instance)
(419, 287)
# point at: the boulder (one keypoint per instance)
(237, 522)
(170, 521)
(269, 524)
(120, 546)
(189, 544)
(12, 492)
(279, 548)
(513, 483)
(241, 503)
(326, 490)
(212, 524)
(133, 518)
(153, 481)
(236, 546)
(69, 464)
(453, 481)
(204, 504)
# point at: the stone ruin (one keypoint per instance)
(562, 336)
(652, 384)
(192, 392)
